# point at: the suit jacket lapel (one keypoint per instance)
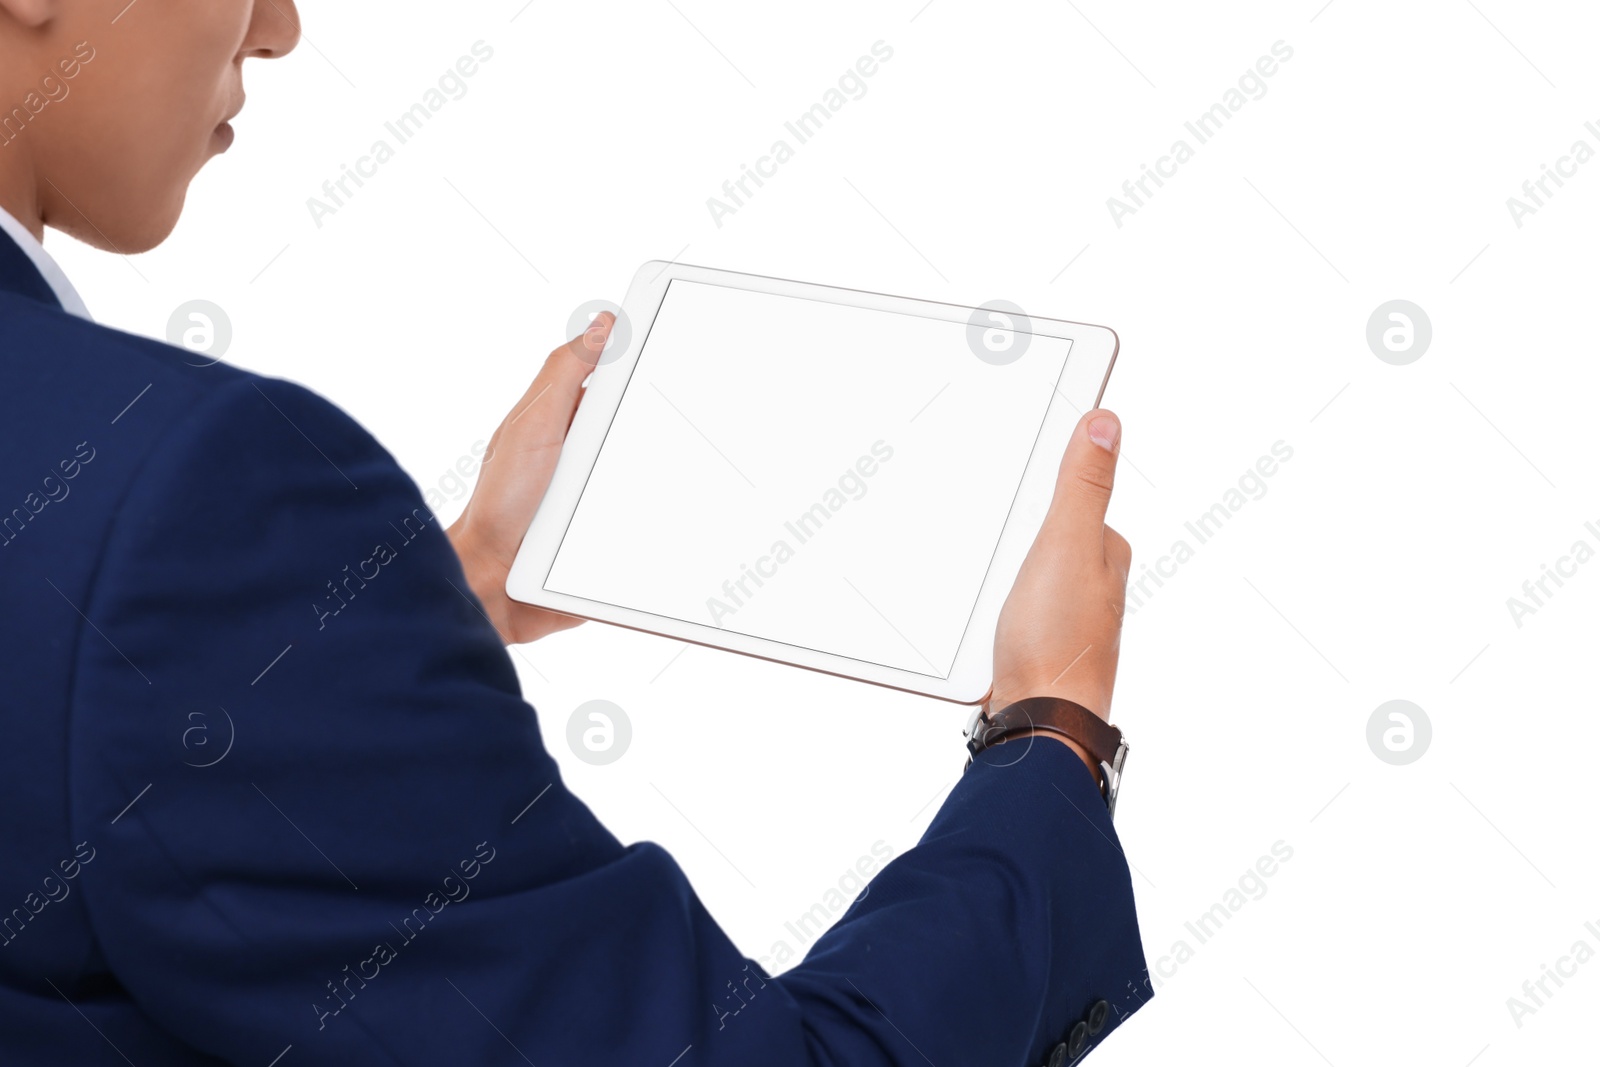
(18, 274)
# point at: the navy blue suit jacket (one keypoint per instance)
(360, 879)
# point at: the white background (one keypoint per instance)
(1377, 566)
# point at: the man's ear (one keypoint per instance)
(30, 13)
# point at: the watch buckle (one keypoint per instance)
(1113, 774)
(972, 723)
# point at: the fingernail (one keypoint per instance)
(1104, 431)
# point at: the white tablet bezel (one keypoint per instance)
(1087, 368)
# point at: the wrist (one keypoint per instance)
(1100, 746)
(1094, 698)
(1091, 698)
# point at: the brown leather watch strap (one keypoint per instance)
(1098, 737)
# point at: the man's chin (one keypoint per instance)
(126, 227)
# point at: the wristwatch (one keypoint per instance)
(1104, 742)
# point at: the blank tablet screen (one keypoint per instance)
(830, 477)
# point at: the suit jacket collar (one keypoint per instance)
(19, 275)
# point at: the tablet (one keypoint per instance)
(834, 479)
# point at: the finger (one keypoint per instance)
(1083, 486)
(1118, 552)
(568, 366)
(591, 343)
(583, 391)
(546, 409)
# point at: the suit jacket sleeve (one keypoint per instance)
(331, 844)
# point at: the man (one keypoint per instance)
(241, 831)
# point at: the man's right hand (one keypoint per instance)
(1061, 627)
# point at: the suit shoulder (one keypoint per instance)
(63, 369)
(65, 374)
(166, 420)
(36, 332)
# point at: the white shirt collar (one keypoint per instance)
(71, 302)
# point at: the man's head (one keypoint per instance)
(108, 108)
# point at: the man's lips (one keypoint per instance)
(225, 131)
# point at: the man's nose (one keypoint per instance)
(274, 29)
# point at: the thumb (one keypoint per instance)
(545, 411)
(590, 345)
(564, 372)
(1083, 486)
